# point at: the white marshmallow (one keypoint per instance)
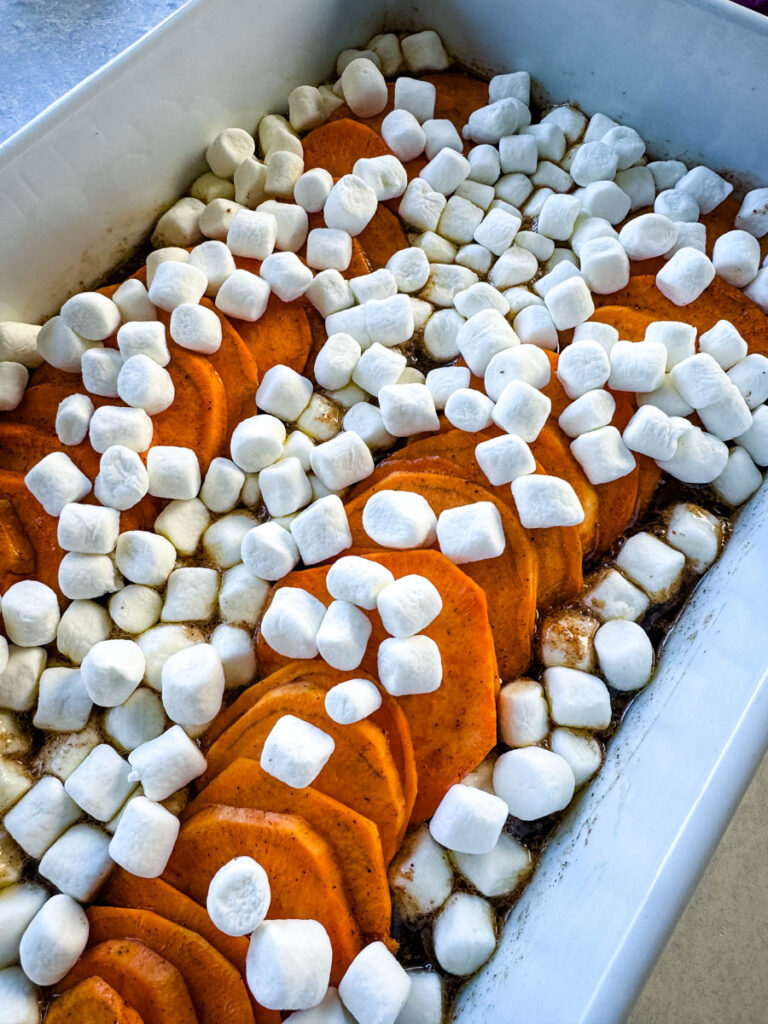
(375, 986)
(144, 838)
(289, 964)
(100, 368)
(311, 189)
(352, 701)
(243, 295)
(728, 417)
(646, 236)
(285, 488)
(533, 782)
(18, 905)
(238, 896)
(677, 205)
(577, 698)
(175, 284)
(397, 519)
(100, 784)
(322, 531)
(516, 266)
(83, 624)
(420, 875)
(594, 161)
(135, 608)
(611, 596)
(469, 410)
(222, 485)
(329, 248)
(291, 622)
(30, 613)
(196, 328)
(415, 96)
(269, 552)
(665, 397)
(112, 670)
(446, 171)
(603, 334)
(283, 392)
(604, 265)
(408, 605)
(236, 652)
(750, 375)
(193, 685)
(638, 184)
(409, 665)
(504, 459)
(533, 326)
(115, 425)
(685, 276)
(690, 234)
(78, 863)
(522, 410)
(286, 275)
(753, 213)
(705, 187)
(468, 820)
(407, 409)
(257, 442)
(171, 252)
(666, 173)
(18, 343)
(471, 533)
(482, 337)
(403, 134)
(568, 639)
(387, 48)
(603, 455)
(478, 297)
(144, 557)
(583, 753)
(62, 347)
(445, 281)
(91, 315)
(583, 366)
(421, 205)
(569, 303)
(36, 821)
(295, 752)
(143, 384)
(350, 205)
(444, 381)
(144, 338)
(625, 654)
(724, 343)
(336, 361)
(139, 719)
(605, 199)
(441, 134)
(228, 149)
(56, 481)
(695, 532)
(215, 260)
(163, 766)
(459, 220)
(358, 580)
(700, 380)
(498, 872)
(343, 636)
(464, 935)
(513, 189)
(363, 87)
(637, 366)
(342, 461)
(590, 411)
(544, 501)
(441, 334)
(679, 339)
(385, 174)
(283, 171)
(561, 272)
(740, 478)
(651, 432)
(389, 321)
(523, 714)
(72, 419)
(63, 703)
(292, 224)
(54, 940)
(87, 576)
(190, 595)
(242, 595)
(378, 285)
(13, 381)
(652, 565)
(321, 420)
(183, 522)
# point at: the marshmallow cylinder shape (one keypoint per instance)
(144, 838)
(468, 820)
(288, 965)
(112, 670)
(533, 782)
(193, 685)
(238, 896)
(464, 935)
(54, 940)
(30, 613)
(375, 986)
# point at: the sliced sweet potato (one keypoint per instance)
(238, 371)
(144, 979)
(389, 717)
(464, 706)
(353, 838)
(123, 889)
(216, 987)
(630, 323)
(338, 144)
(360, 773)
(458, 94)
(304, 877)
(382, 238)
(509, 581)
(27, 527)
(22, 446)
(92, 1001)
(374, 122)
(40, 403)
(198, 417)
(17, 556)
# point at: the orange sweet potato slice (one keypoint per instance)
(238, 371)
(464, 706)
(92, 1001)
(389, 717)
(28, 527)
(353, 838)
(17, 556)
(630, 323)
(304, 877)
(382, 238)
(509, 581)
(360, 773)
(458, 94)
(374, 122)
(198, 417)
(40, 403)
(216, 987)
(22, 446)
(338, 144)
(144, 979)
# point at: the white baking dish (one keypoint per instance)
(80, 187)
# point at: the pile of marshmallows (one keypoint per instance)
(466, 216)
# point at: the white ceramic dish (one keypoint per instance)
(79, 189)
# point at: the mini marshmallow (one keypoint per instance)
(594, 161)
(441, 335)
(666, 173)
(72, 419)
(403, 134)
(30, 613)
(614, 597)
(19, 903)
(700, 380)
(18, 343)
(480, 195)
(441, 134)
(63, 703)
(336, 361)
(283, 171)
(291, 622)
(210, 186)
(471, 533)
(242, 595)
(54, 940)
(88, 528)
(292, 224)
(603, 455)
(409, 665)
(498, 872)
(678, 338)
(463, 934)
(753, 213)
(190, 595)
(363, 87)
(561, 272)
(516, 154)
(652, 565)
(421, 205)
(750, 375)
(577, 698)
(275, 134)
(243, 295)
(446, 171)
(685, 276)
(522, 410)
(311, 189)
(193, 685)
(476, 257)
(321, 530)
(445, 281)
(229, 148)
(222, 485)
(533, 326)
(523, 716)
(284, 488)
(350, 205)
(257, 442)
(286, 275)
(91, 315)
(692, 235)
(236, 652)
(583, 366)
(358, 580)
(646, 236)
(139, 719)
(625, 654)
(13, 381)
(387, 48)
(83, 624)
(238, 896)
(724, 343)
(56, 481)
(175, 284)
(180, 255)
(583, 753)
(112, 670)
(740, 478)
(638, 184)
(533, 782)
(378, 285)
(157, 645)
(481, 337)
(705, 187)
(352, 701)
(504, 459)
(459, 220)
(143, 384)
(343, 636)
(196, 328)
(375, 986)
(295, 752)
(100, 784)
(589, 412)
(544, 501)
(115, 425)
(420, 876)
(100, 368)
(144, 557)
(283, 392)
(637, 366)
(40, 817)
(407, 409)
(604, 265)
(569, 303)
(389, 321)
(728, 417)
(497, 119)
(695, 532)
(468, 820)
(513, 189)
(183, 523)
(605, 199)
(651, 432)
(408, 605)
(146, 339)
(603, 334)
(329, 248)
(444, 381)
(567, 639)
(415, 96)
(342, 461)
(60, 754)
(166, 764)
(398, 519)
(469, 410)
(289, 964)
(87, 576)
(385, 175)
(19, 678)
(78, 863)
(62, 347)
(269, 552)
(516, 266)
(321, 420)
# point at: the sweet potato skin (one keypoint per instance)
(92, 1001)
